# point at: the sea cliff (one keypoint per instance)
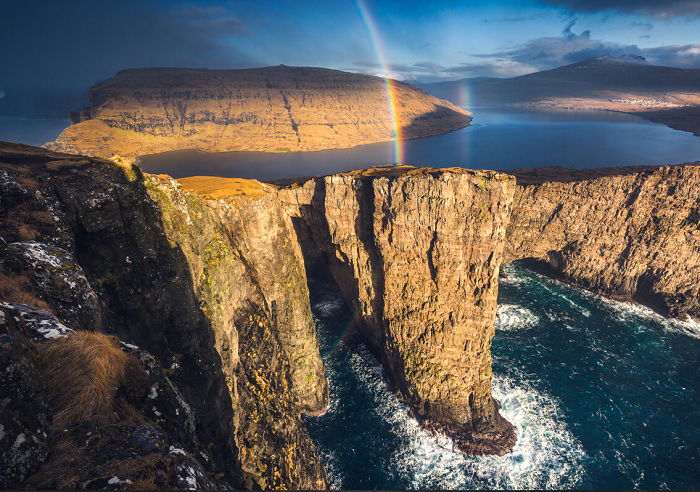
(272, 109)
(628, 233)
(157, 333)
(181, 282)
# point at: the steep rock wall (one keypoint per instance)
(181, 279)
(145, 111)
(416, 253)
(628, 233)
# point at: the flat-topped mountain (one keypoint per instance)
(628, 84)
(272, 109)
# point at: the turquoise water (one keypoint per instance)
(603, 395)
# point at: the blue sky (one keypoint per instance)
(75, 42)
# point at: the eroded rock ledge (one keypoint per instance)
(628, 233)
(416, 253)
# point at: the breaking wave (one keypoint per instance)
(546, 455)
(627, 311)
(328, 307)
(512, 317)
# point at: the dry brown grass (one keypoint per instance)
(218, 188)
(28, 182)
(83, 373)
(66, 164)
(63, 468)
(16, 289)
(27, 232)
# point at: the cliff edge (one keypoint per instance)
(628, 233)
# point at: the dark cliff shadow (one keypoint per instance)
(440, 120)
(145, 285)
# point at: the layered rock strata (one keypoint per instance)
(184, 279)
(278, 109)
(628, 233)
(416, 253)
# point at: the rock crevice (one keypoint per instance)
(416, 253)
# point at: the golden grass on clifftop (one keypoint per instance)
(217, 188)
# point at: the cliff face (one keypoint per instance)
(628, 233)
(186, 281)
(145, 111)
(204, 282)
(416, 253)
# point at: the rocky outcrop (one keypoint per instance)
(416, 253)
(179, 278)
(628, 233)
(52, 439)
(273, 109)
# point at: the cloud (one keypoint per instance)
(658, 9)
(553, 51)
(430, 72)
(493, 68)
(678, 55)
(537, 54)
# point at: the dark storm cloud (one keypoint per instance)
(678, 55)
(72, 43)
(659, 9)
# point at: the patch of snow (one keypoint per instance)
(174, 450)
(117, 481)
(154, 392)
(21, 439)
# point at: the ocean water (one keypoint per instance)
(497, 139)
(603, 395)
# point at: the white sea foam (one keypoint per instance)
(333, 469)
(512, 317)
(329, 307)
(546, 455)
(627, 311)
(509, 276)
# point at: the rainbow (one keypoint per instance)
(390, 84)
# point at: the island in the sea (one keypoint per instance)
(626, 84)
(272, 109)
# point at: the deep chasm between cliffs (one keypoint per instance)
(202, 283)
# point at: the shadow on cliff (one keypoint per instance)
(320, 261)
(326, 263)
(149, 299)
(441, 120)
